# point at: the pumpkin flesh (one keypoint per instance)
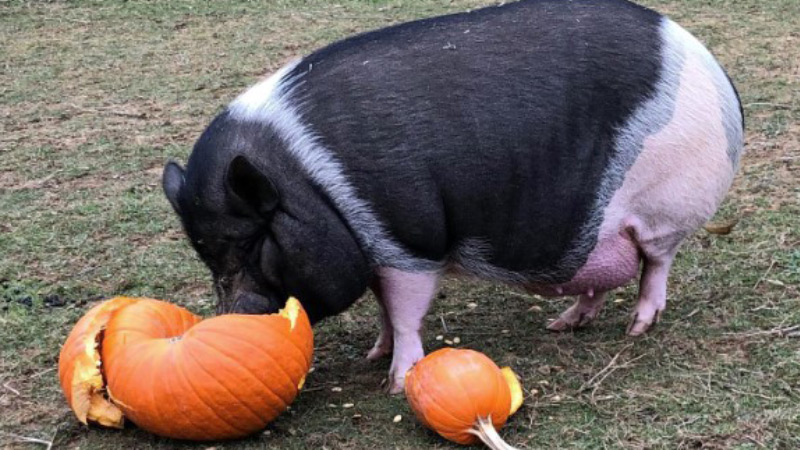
(79, 370)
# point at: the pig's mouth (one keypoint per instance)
(242, 295)
(253, 303)
(247, 302)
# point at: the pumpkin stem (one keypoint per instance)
(485, 431)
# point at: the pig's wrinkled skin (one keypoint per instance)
(563, 147)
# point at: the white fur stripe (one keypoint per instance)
(650, 116)
(260, 102)
(270, 103)
(732, 116)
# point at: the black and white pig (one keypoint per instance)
(550, 144)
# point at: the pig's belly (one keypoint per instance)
(612, 263)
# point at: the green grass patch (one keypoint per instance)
(96, 96)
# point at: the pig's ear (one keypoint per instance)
(172, 182)
(250, 188)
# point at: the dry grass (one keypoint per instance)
(96, 95)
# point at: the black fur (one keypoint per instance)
(260, 242)
(248, 187)
(495, 124)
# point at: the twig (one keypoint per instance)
(319, 388)
(697, 310)
(607, 368)
(784, 331)
(109, 110)
(731, 388)
(32, 440)
(34, 184)
(313, 389)
(37, 375)
(444, 325)
(754, 394)
(600, 381)
(6, 385)
(773, 105)
(755, 441)
(765, 274)
(52, 439)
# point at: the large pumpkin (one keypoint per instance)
(177, 376)
(462, 395)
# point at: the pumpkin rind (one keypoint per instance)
(79, 366)
(221, 378)
(450, 389)
(226, 376)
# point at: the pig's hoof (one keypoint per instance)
(396, 386)
(559, 325)
(573, 318)
(562, 324)
(639, 325)
(637, 328)
(377, 352)
(580, 314)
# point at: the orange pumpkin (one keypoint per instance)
(462, 395)
(177, 376)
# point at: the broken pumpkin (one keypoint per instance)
(179, 376)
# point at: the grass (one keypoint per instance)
(97, 95)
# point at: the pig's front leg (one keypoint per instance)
(383, 346)
(406, 297)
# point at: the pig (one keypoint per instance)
(562, 147)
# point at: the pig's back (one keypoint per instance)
(486, 135)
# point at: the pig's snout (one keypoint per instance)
(245, 302)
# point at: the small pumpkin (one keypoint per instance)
(462, 395)
(179, 376)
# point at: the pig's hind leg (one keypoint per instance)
(405, 297)
(612, 263)
(583, 311)
(658, 249)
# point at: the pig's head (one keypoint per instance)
(261, 227)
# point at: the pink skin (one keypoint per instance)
(583, 311)
(384, 343)
(612, 265)
(613, 262)
(404, 298)
(652, 294)
(675, 185)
